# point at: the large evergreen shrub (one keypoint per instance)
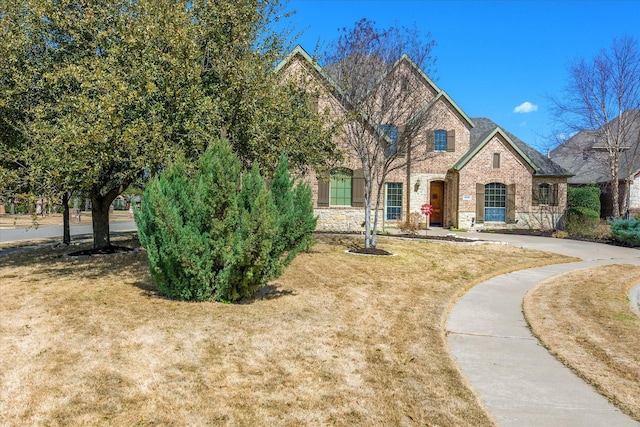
(626, 231)
(295, 220)
(220, 233)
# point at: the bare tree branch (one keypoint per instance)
(603, 97)
(380, 74)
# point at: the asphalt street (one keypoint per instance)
(55, 231)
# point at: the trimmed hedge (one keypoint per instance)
(583, 210)
(584, 197)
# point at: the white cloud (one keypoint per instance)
(525, 107)
(523, 124)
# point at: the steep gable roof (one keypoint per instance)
(386, 70)
(584, 155)
(486, 129)
(299, 52)
(439, 93)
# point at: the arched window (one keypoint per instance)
(495, 202)
(440, 140)
(340, 187)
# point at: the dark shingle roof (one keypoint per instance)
(583, 154)
(545, 166)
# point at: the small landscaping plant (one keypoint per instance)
(626, 231)
(220, 233)
(412, 224)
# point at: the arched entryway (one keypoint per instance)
(436, 199)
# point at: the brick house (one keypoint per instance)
(476, 174)
(587, 159)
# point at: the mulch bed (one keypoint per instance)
(370, 251)
(448, 238)
(518, 231)
(549, 233)
(113, 249)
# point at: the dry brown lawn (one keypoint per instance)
(584, 318)
(339, 339)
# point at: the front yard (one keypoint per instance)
(339, 339)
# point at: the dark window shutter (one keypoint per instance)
(451, 140)
(323, 191)
(535, 195)
(430, 141)
(511, 203)
(479, 203)
(357, 189)
(554, 195)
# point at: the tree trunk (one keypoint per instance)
(624, 211)
(367, 222)
(615, 190)
(407, 209)
(376, 215)
(66, 238)
(100, 220)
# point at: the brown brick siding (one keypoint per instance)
(428, 166)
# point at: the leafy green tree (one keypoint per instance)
(102, 94)
(220, 233)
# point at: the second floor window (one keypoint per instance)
(391, 132)
(440, 140)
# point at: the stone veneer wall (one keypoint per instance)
(342, 219)
(634, 196)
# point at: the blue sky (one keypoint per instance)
(492, 56)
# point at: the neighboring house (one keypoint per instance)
(587, 159)
(477, 174)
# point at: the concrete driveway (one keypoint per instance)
(518, 380)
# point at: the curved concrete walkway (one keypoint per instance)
(519, 381)
(634, 298)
